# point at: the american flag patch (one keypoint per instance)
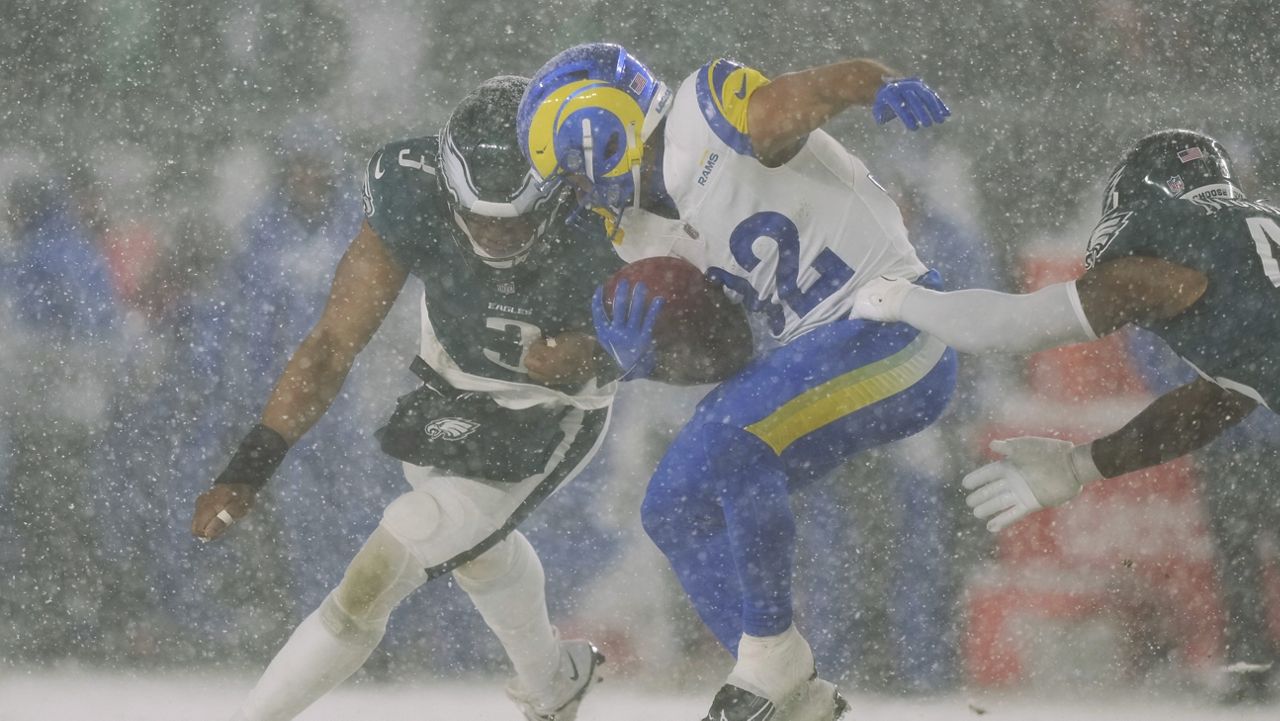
(1190, 154)
(637, 84)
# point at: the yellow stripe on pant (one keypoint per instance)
(848, 393)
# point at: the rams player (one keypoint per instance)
(790, 223)
(1179, 251)
(512, 408)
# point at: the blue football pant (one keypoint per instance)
(719, 506)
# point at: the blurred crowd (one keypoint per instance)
(179, 182)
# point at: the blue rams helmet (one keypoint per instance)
(587, 113)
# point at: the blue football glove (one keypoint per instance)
(912, 101)
(628, 336)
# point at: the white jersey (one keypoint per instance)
(793, 241)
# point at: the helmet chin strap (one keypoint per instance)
(633, 158)
(658, 108)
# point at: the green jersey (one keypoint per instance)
(1232, 334)
(478, 321)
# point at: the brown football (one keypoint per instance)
(701, 335)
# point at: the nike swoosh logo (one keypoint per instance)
(573, 676)
(377, 167)
(742, 91)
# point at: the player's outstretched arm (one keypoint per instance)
(364, 288)
(1038, 473)
(786, 110)
(1175, 424)
(1115, 293)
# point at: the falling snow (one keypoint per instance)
(178, 182)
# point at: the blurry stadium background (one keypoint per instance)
(185, 175)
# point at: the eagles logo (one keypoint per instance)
(1105, 232)
(450, 429)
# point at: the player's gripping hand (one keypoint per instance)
(912, 101)
(628, 334)
(1036, 473)
(566, 359)
(219, 507)
(881, 299)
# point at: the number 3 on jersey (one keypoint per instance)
(507, 342)
(1266, 233)
(833, 273)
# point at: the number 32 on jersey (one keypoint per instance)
(832, 272)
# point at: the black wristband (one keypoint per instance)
(257, 457)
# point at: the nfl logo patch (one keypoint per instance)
(638, 84)
(1190, 154)
(1176, 185)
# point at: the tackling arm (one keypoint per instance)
(1038, 473)
(1127, 290)
(1177, 423)
(568, 359)
(366, 284)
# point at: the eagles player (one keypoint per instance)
(1179, 251)
(505, 332)
(790, 223)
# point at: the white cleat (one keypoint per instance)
(815, 700)
(579, 661)
(880, 299)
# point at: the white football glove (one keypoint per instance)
(881, 299)
(1036, 473)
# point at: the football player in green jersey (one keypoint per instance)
(1179, 251)
(515, 400)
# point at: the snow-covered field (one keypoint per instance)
(70, 696)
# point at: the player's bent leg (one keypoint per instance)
(833, 393)
(508, 586)
(684, 514)
(337, 638)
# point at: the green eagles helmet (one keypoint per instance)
(494, 196)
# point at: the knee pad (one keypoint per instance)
(413, 517)
(436, 524)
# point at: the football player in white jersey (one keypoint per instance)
(790, 223)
